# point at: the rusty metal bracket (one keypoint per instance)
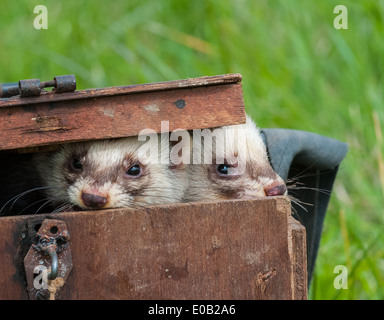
(33, 87)
(48, 261)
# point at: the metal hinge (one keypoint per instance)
(33, 87)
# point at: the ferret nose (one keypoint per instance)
(93, 200)
(275, 190)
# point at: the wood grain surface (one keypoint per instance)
(121, 111)
(239, 249)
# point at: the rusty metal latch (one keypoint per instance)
(48, 261)
(33, 87)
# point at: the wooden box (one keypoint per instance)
(235, 249)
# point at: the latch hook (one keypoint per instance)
(54, 263)
(52, 240)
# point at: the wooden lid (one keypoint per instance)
(114, 112)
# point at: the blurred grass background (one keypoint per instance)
(298, 72)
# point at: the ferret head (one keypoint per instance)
(238, 169)
(109, 174)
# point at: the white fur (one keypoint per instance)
(243, 146)
(159, 184)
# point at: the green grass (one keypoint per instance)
(298, 72)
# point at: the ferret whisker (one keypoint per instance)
(301, 175)
(298, 203)
(306, 170)
(296, 213)
(32, 204)
(324, 191)
(20, 195)
(63, 207)
(291, 183)
(44, 204)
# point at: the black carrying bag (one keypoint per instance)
(310, 161)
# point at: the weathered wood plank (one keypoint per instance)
(50, 96)
(224, 250)
(120, 115)
(298, 250)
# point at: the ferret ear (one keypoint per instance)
(180, 146)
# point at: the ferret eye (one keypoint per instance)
(222, 169)
(76, 165)
(134, 170)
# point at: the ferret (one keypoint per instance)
(234, 166)
(119, 173)
(114, 173)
